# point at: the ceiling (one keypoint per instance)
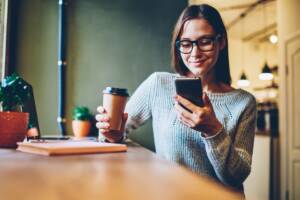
(255, 26)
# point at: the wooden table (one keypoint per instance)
(137, 174)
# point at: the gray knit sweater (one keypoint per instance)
(225, 157)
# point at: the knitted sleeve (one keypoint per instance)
(231, 157)
(139, 104)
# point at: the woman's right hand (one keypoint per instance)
(103, 126)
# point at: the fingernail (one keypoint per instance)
(105, 125)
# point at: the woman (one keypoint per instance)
(214, 140)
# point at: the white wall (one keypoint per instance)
(257, 184)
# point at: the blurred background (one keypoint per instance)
(120, 43)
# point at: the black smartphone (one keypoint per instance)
(191, 89)
(45, 138)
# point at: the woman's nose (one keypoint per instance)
(196, 50)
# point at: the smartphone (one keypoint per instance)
(191, 89)
(46, 138)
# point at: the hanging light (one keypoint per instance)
(266, 73)
(273, 38)
(243, 81)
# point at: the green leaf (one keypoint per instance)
(82, 113)
(14, 92)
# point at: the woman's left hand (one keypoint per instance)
(201, 118)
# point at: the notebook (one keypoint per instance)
(50, 148)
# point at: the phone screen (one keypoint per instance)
(191, 89)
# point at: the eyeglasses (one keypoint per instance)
(205, 43)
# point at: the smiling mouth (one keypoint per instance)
(197, 62)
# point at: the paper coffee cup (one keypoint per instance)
(114, 101)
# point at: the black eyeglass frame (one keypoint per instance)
(196, 42)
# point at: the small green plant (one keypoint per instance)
(14, 92)
(82, 113)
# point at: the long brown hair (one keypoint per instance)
(209, 13)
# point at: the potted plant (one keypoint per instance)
(81, 123)
(14, 92)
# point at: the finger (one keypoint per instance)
(206, 100)
(186, 121)
(104, 131)
(100, 109)
(102, 125)
(186, 103)
(183, 112)
(102, 117)
(199, 114)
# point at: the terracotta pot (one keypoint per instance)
(13, 128)
(81, 128)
